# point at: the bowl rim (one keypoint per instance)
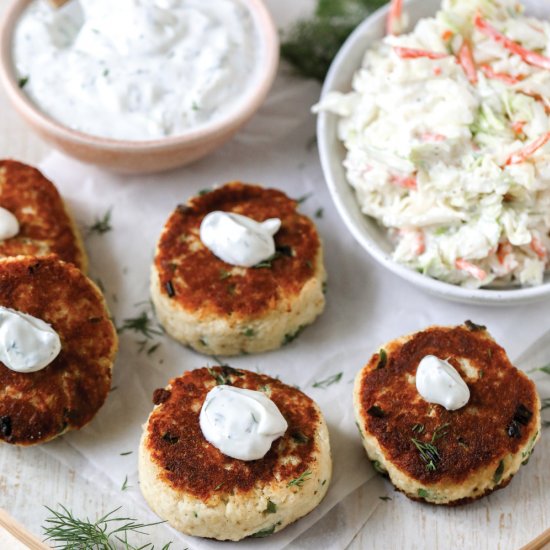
(338, 190)
(266, 69)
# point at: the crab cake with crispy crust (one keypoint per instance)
(218, 308)
(45, 226)
(438, 455)
(202, 492)
(65, 395)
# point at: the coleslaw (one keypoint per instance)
(447, 132)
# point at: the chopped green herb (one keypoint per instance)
(359, 428)
(303, 198)
(299, 437)
(195, 106)
(418, 428)
(325, 287)
(140, 324)
(126, 453)
(299, 481)
(422, 493)
(125, 484)
(378, 467)
(480, 374)
(23, 81)
(334, 379)
(203, 192)
(101, 225)
(219, 486)
(383, 359)
(429, 453)
(105, 73)
(249, 332)
(224, 274)
(319, 213)
(545, 369)
(323, 483)
(291, 337)
(153, 348)
(498, 472)
(271, 507)
(265, 532)
(195, 514)
(385, 499)
(222, 374)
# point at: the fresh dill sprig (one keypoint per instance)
(141, 324)
(429, 453)
(334, 379)
(545, 369)
(102, 225)
(299, 481)
(311, 44)
(125, 484)
(106, 533)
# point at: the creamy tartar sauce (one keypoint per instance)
(27, 344)
(437, 381)
(9, 226)
(137, 69)
(241, 423)
(239, 240)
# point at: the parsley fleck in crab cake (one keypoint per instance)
(57, 346)
(228, 454)
(33, 217)
(238, 270)
(445, 415)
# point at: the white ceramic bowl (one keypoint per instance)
(367, 232)
(139, 157)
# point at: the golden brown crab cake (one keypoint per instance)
(45, 225)
(202, 492)
(218, 308)
(65, 395)
(441, 456)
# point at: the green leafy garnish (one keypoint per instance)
(311, 44)
(271, 507)
(422, 493)
(418, 428)
(319, 213)
(265, 532)
(141, 324)
(545, 369)
(378, 467)
(224, 274)
(249, 332)
(498, 472)
(383, 359)
(222, 374)
(292, 336)
(108, 532)
(299, 481)
(429, 453)
(101, 225)
(385, 499)
(126, 453)
(299, 437)
(334, 379)
(23, 81)
(125, 484)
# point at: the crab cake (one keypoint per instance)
(447, 456)
(65, 395)
(45, 226)
(202, 492)
(218, 308)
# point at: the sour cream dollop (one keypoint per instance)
(439, 382)
(239, 240)
(9, 226)
(27, 344)
(241, 423)
(138, 69)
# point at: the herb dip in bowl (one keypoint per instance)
(138, 86)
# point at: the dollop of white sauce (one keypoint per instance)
(9, 226)
(437, 381)
(137, 69)
(27, 344)
(239, 240)
(241, 423)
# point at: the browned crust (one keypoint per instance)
(477, 435)
(190, 464)
(198, 281)
(36, 407)
(45, 226)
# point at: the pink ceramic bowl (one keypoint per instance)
(138, 157)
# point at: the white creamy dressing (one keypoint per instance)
(241, 423)
(239, 240)
(9, 226)
(137, 69)
(27, 344)
(437, 381)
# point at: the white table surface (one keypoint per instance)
(30, 479)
